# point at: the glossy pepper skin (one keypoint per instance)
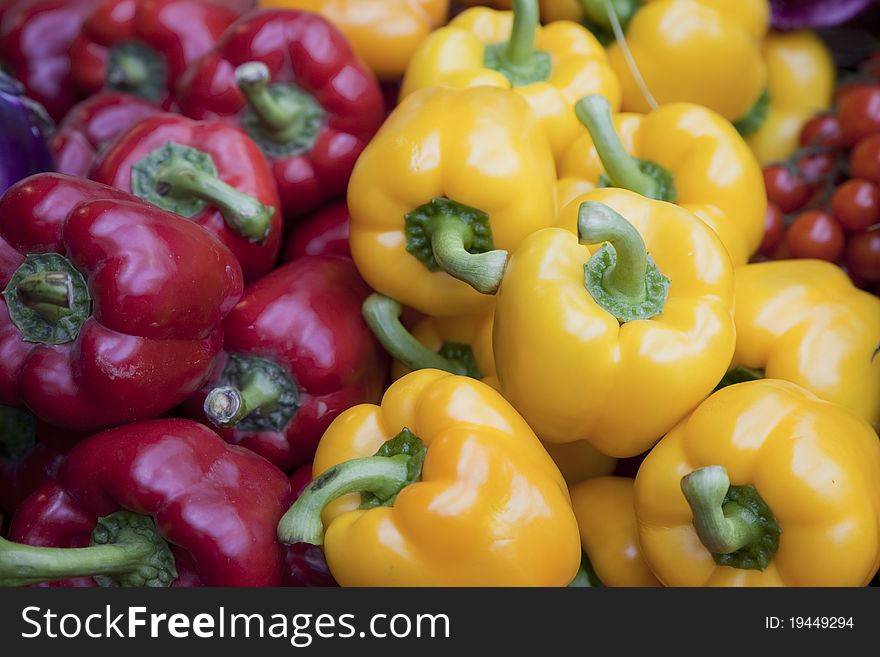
(323, 233)
(801, 82)
(696, 51)
(765, 450)
(805, 322)
(31, 452)
(552, 67)
(383, 33)
(39, 62)
(208, 172)
(707, 166)
(211, 507)
(159, 288)
(580, 461)
(485, 175)
(575, 359)
(305, 98)
(296, 354)
(92, 124)
(484, 475)
(609, 534)
(24, 128)
(142, 47)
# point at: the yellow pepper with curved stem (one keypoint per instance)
(702, 52)
(754, 460)
(804, 321)
(383, 33)
(800, 84)
(618, 357)
(679, 152)
(609, 534)
(461, 493)
(452, 179)
(551, 66)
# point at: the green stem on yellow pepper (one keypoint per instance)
(518, 59)
(596, 11)
(733, 522)
(382, 315)
(621, 276)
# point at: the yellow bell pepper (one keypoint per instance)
(452, 180)
(705, 52)
(805, 322)
(455, 490)
(551, 66)
(383, 33)
(579, 461)
(618, 357)
(800, 84)
(754, 460)
(609, 533)
(682, 153)
(551, 10)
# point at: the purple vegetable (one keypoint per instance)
(24, 129)
(796, 14)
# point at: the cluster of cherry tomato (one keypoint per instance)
(824, 202)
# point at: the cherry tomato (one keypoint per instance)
(815, 234)
(822, 130)
(864, 161)
(856, 204)
(774, 230)
(859, 113)
(816, 167)
(785, 188)
(863, 255)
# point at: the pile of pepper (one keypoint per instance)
(404, 293)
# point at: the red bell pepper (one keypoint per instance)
(206, 171)
(31, 453)
(92, 124)
(35, 37)
(161, 502)
(143, 46)
(296, 354)
(112, 306)
(304, 563)
(291, 80)
(323, 233)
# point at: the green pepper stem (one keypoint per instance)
(520, 49)
(226, 406)
(382, 315)
(450, 239)
(279, 114)
(722, 527)
(599, 223)
(622, 168)
(597, 11)
(243, 213)
(128, 72)
(48, 293)
(22, 565)
(383, 476)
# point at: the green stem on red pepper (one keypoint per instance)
(47, 293)
(622, 169)
(184, 180)
(733, 522)
(226, 406)
(621, 276)
(126, 550)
